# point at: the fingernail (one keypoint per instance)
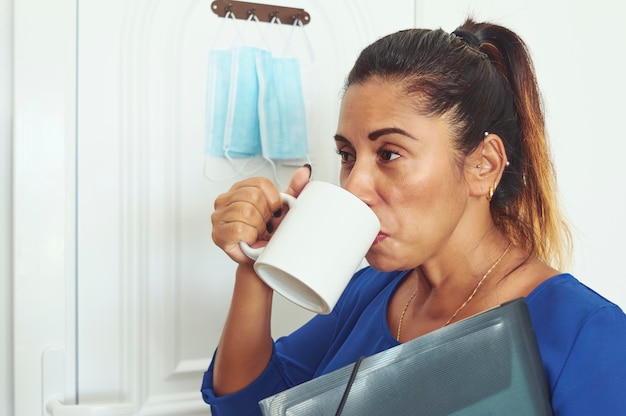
(269, 227)
(310, 168)
(278, 213)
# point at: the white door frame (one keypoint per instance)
(6, 205)
(44, 199)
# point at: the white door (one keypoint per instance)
(120, 294)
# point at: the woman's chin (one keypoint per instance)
(380, 263)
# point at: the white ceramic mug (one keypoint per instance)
(317, 247)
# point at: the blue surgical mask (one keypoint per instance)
(218, 84)
(282, 114)
(232, 129)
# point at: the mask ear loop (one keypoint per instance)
(298, 23)
(228, 16)
(241, 170)
(276, 20)
(238, 172)
(253, 17)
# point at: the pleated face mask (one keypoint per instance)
(232, 129)
(282, 114)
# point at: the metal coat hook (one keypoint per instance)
(263, 12)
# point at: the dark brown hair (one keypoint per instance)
(481, 76)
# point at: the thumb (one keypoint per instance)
(299, 180)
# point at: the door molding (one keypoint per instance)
(44, 194)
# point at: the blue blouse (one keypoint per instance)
(581, 337)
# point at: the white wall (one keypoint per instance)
(6, 149)
(580, 60)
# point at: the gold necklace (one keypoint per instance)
(404, 311)
(480, 282)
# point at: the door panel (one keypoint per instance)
(152, 289)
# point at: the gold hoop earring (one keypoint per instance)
(490, 193)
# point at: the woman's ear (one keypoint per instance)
(487, 164)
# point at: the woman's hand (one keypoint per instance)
(250, 211)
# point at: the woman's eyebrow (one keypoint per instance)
(378, 133)
(389, 130)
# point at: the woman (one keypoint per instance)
(443, 136)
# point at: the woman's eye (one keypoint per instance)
(345, 156)
(388, 155)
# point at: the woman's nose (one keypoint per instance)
(360, 182)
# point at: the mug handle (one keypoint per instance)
(254, 253)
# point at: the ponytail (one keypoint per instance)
(544, 231)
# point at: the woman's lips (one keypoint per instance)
(379, 238)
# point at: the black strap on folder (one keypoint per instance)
(346, 392)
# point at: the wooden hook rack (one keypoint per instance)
(263, 12)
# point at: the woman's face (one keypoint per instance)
(403, 166)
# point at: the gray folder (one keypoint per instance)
(488, 364)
